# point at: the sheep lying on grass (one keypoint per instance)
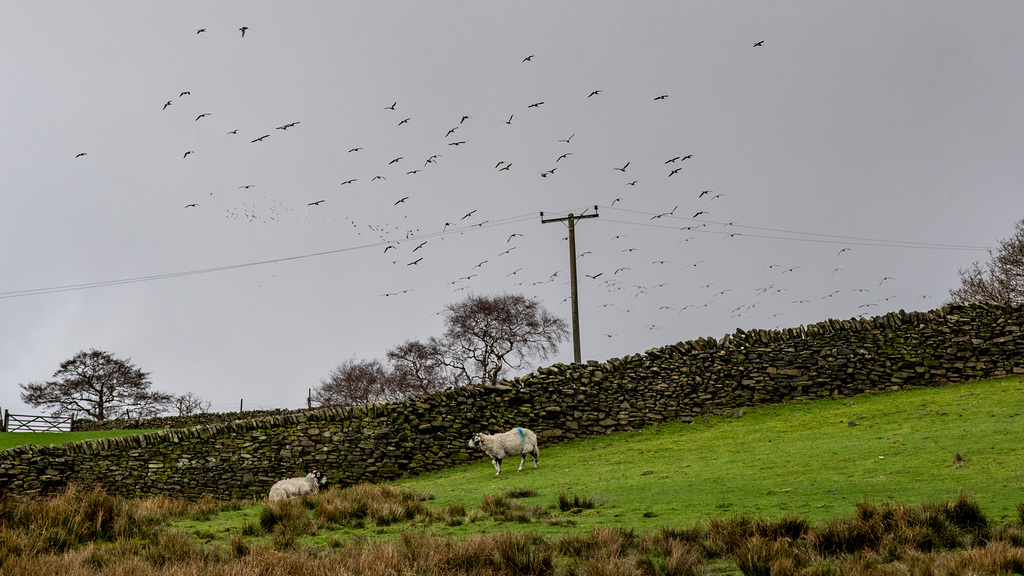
(515, 442)
(292, 487)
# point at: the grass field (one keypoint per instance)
(12, 439)
(866, 485)
(804, 459)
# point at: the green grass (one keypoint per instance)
(798, 459)
(12, 439)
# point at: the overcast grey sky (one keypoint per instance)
(852, 162)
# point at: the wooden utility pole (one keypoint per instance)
(571, 219)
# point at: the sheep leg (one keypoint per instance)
(521, 462)
(497, 465)
(536, 455)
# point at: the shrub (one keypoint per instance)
(575, 503)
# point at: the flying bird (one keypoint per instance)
(243, 29)
(187, 153)
(317, 203)
(404, 121)
(416, 261)
(260, 139)
(506, 167)
(759, 43)
(424, 243)
(464, 118)
(392, 107)
(616, 200)
(674, 171)
(623, 169)
(246, 186)
(459, 143)
(286, 126)
(355, 149)
(403, 199)
(186, 93)
(528, 58)
(566, 155)
(665, 213)
(671, 160)
(201, 30)
(168, 103)
(395, 160)
(203, 115)
(509, 121)
(235, 131)
(703, 193)
(450, 131)
(190, 205)
(535, 104)
(511, 236)
(468, 215)
(569, 138)
(594, 93)
(662, 97)
(349, 181)
(699, 213)
(80, 154)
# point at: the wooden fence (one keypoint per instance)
(34, 423)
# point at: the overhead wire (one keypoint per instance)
(808, 237)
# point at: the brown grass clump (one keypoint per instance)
(504, 509)
(84, 532)
(355, 506)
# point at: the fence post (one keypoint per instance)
(309, 399)
(7, 416)
(240, 403)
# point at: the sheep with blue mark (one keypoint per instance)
(515, 442)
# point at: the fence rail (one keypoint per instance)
(35, 423)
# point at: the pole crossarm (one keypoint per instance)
(571, 219)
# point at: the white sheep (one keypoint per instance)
(515, 442)
(292, 487)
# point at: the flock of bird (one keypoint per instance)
(617, 283)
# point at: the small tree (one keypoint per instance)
(100, 386)
(1001, 279)
(190, 404)
(353, 382)
(419, 368)
(487, 336)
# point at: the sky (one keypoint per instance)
(237, 214)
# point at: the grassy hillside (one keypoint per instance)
(805, 459)
(781, 490)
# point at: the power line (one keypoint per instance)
(822, 238)
(809, 237)
(151, 278)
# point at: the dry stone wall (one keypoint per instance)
(377, 442)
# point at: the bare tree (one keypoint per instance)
(190, 404)
(99, 386)
(1001, 279)
(487, 336)
(352, 383)
(419, 368)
